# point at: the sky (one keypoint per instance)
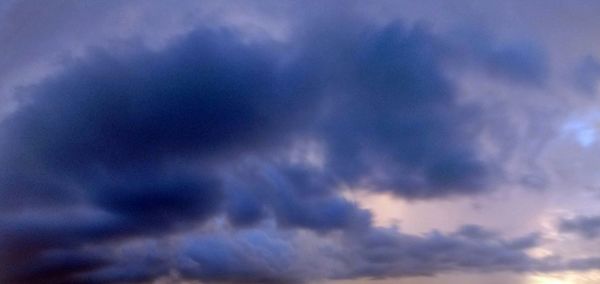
(326, 142)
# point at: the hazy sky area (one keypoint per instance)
(326, 142)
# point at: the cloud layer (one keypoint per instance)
(227, 159)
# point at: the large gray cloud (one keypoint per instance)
(585, 226)
(267, 255)
(128, 143)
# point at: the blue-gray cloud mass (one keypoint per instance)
(132, 164)
(585, 226)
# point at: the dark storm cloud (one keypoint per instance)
(212, 97)
(394, 122)
(136, 263)
(585, 226)
(129, 143)
(57, 267)
(298, 197)
(151, 207)
(106, 133)
(128, 118)
(209, 93)
(156, 205)
(266, 255)
(252, 257)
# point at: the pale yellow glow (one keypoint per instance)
(548, 280)
(565, 278)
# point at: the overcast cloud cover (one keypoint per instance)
(288, 142)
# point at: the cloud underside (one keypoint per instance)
(225, 160)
